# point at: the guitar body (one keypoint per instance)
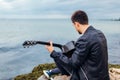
(68, 49)
(69, 54)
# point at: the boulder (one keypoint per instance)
(113, 72)
(43, 77)
(59, 77)
(62, 77)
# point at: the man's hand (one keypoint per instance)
(50, 48)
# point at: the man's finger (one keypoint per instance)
(51, 44)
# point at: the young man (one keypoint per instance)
(89, 61)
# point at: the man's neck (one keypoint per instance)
(84, 28)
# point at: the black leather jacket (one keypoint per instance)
(89, 61)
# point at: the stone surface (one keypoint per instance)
(113, 72)
(63, 77)
(43, 77)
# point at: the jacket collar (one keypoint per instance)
(88, 29)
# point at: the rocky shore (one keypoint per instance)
(114, 71)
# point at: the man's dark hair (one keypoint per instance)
(80, 16)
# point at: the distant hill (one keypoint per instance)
(110, 19)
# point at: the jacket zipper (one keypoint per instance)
(84, 73)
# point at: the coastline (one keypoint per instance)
(37, 71)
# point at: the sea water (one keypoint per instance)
(16, 60)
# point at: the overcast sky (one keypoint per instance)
(98, 9)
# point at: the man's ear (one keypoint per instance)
(77, 24)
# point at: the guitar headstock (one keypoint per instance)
(29, 43)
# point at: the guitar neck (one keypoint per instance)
(47, 43)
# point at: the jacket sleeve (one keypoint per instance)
(78, 56)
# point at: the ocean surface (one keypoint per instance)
(16, 60)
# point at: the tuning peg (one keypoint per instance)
(34, 42)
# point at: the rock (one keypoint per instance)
(43, 77)
(63, 77)
(114, 74)
(114, 70)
